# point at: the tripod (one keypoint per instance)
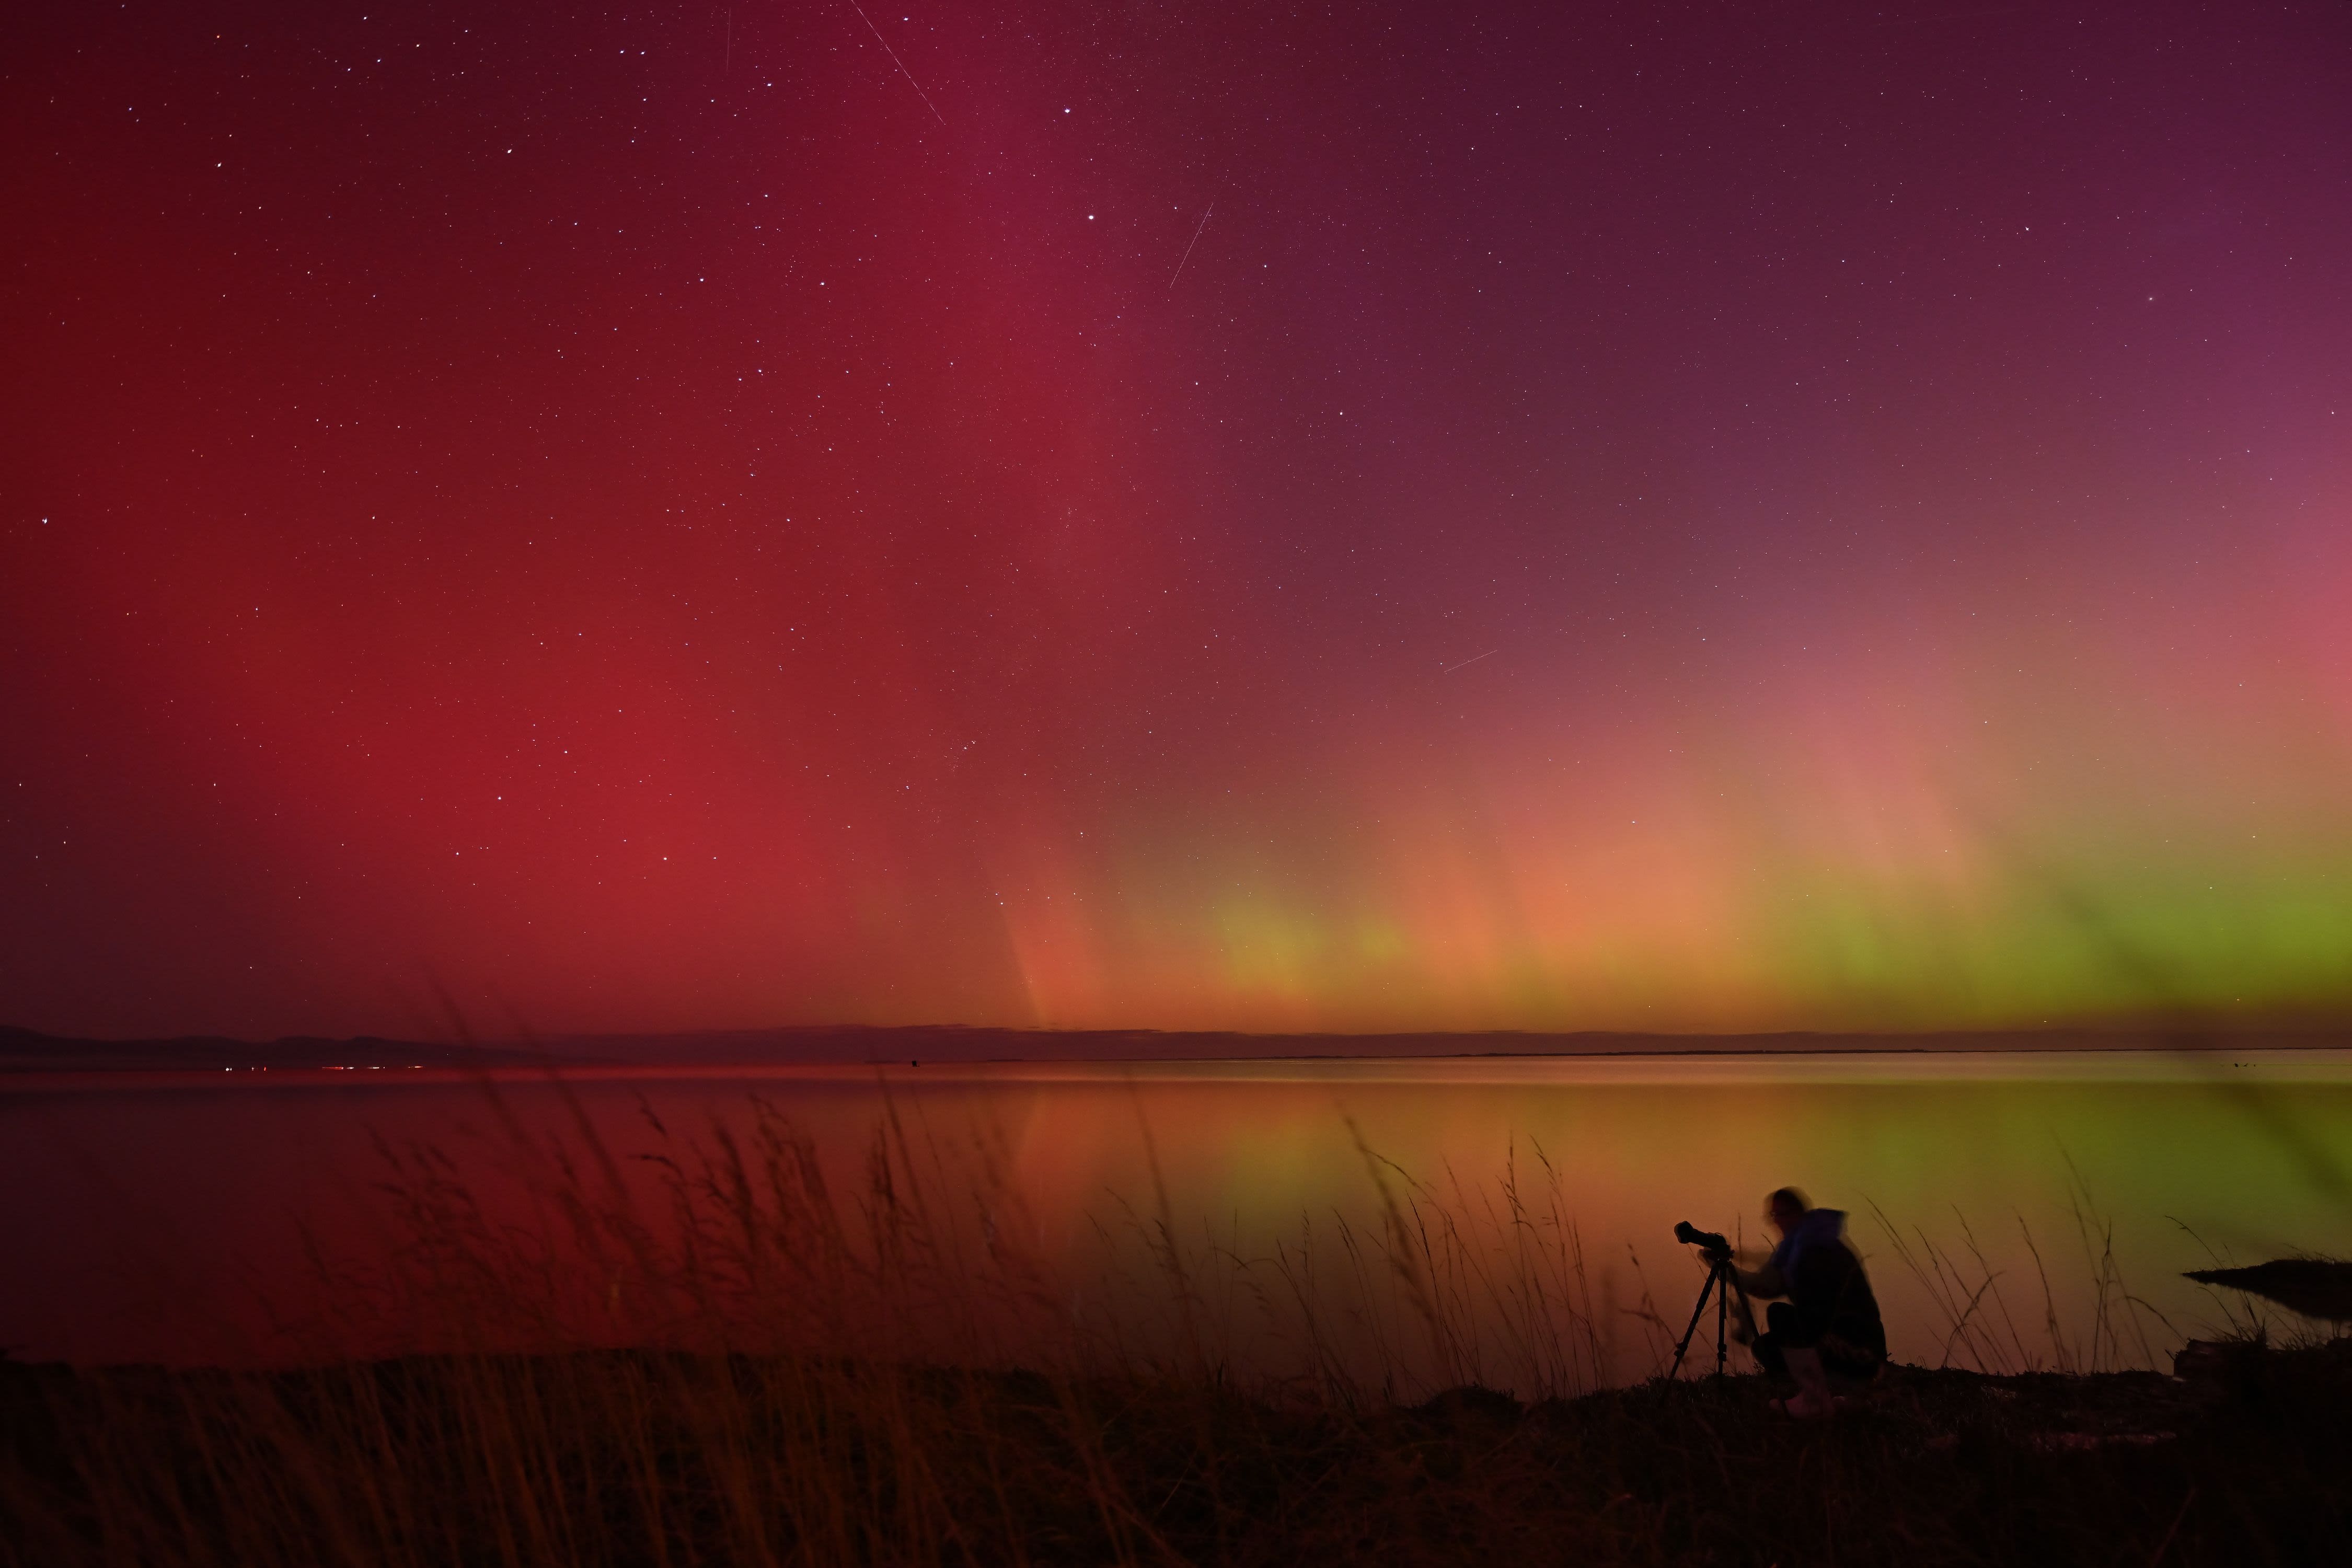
(1720, 1284)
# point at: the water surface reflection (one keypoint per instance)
(189, 1216)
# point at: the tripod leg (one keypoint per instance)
(1722, 1319)
(1683, 1347)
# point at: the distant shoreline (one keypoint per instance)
(28, 1059)
(865, 1044)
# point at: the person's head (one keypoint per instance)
(1784, 1208)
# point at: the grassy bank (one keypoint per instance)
(839, 1383)
(616, 1459)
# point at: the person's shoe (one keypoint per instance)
(1812, 1399)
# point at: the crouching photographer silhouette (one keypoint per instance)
(1828, 1327)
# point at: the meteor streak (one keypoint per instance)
(1188, 250)
(894, 60)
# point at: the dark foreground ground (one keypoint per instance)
(615, 1458)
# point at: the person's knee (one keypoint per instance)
(1795, 1329)
(1845, 1359)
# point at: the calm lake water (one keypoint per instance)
(1323, 1212)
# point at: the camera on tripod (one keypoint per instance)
(1713, 1244)
(1722, 1282)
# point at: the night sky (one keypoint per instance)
(1360, 517)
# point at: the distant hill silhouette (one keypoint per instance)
(26, 1051)
(23, 1050)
